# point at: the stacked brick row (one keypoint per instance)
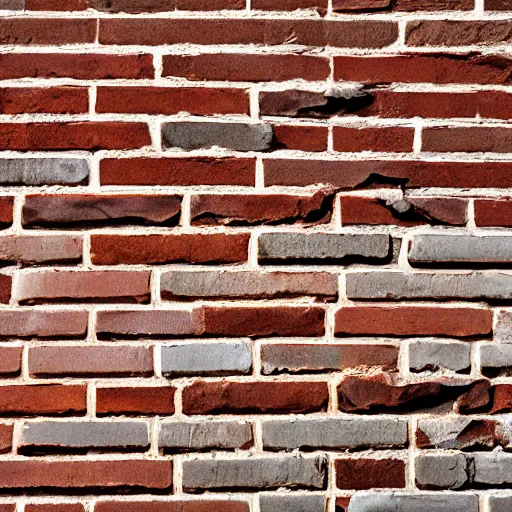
(255, 256)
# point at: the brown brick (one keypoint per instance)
(172, 506)
(490, 212)
(178, 171)
(54, 507)
(359, 474)
(289, 5)
(172, 100)
(112, 474)
(467, 139)
(10, 361)
(301, 137)
(402, 5)
(6, 211)
(6, 432)
(246, 67)
(497, 5)
(226, 397)
(86, 66)
(5, 288)
(56, 5)
(50, 399)
(391, 138)
(89, 361)
(413, 320)
(89, 286)
(76, 210)
(185, 248)
(137, 401)
(133, 6)
(51, 100)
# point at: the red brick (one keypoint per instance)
(48, 399)
(10, 361)
(390, 138)
(185, 248)
(289, 5)
(89, 286)
(264, 321)
(360, 474)
(418, 210)
(56, 5)
(413, 320)
(133, 6)
(349, 174)
(91, 136)
(245, 209)
(135, 401)
(47, 31)
(342, 503)
(5, 288)
(497, 5)
(6, 432)
(6, 211)
(172, 100)
(224, 397)
(89, 361)
(112, 474)
(402, 5)
(54, 507)
(246, 67)
(43, 323)
(88, 66)
(8, 507)
(266, 31)
(467, 139)
(172, 506)
(178, 171)
(76, 210)
(52, 100)
(493, 212)
(437, 68)
(301, 137)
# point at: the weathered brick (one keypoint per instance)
(497, 5)
(135, 401)
(206, 435)
(289, 5)
(324, 247)
(27, 249)
(393, 320)
(496, 359)
(256, 473)
(366, 473)
(402, 5)
(292, 503)
(248, 285)
(6, 211)
(10, 361)
(15, 5)
(225, 397)
(178, 171)
(431, 355)
(325, 357)
(43, 171)
(202, 505)
(6, 433)
(73, 361)
(169, 248)
(467, 139)
(206, 359)
(44, 437)
(390, 138)
(91, 209)
(5, 288)
(334, 433)
(487, 250)
(500, 503)
(132, 6)
(89, 286)
(442, 471)
(503, 327)
(237, 136)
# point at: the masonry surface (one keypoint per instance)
(255, 255)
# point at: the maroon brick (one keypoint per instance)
(172, 506)
(135, 401)
(360, 474)
(301, 137)
(54, 507)
(391, 138)
(493, 212)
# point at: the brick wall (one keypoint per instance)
(254, 255)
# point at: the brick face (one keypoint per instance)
(255, 255)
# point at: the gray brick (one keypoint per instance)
(53, 435)
(417, 502)
(503, 329)
(492, 469)
(496, 359)
(322, 246)
(461, 249)
(43, 171)
(207, 358)
(256, 473)
(249, 285)
(237, 136)
(292, 503)
(500, 503)
(203, 435)
(442, 471)
(421, 286)
(452, 355)
(338, 433)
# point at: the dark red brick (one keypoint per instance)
(360, 474)
(135, 401)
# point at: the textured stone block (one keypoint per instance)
(496, 359)
(500, 503)
(43, 171)
(442, 471)
(292, 503)
(432, 355)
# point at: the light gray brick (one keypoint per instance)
(492, 469)
(237, 136)
(203, 435)
(503, 329)
(256, 473)
(53, 435)
(442, 471)
(292, 503)
(496, 358)
(417, 502)
(43, 171)
(452, 355)
(323, 246)
(500, 503)
(247, 284)
(336, 433)
(423, 286)
(207, 358)
(460, 249)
